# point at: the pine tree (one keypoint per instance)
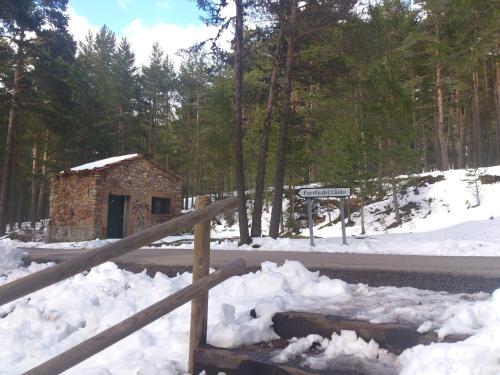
(18, 21)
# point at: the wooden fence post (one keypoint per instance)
(201, 263)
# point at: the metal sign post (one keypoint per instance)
(310, 220)
(342, 220)
(310, 193)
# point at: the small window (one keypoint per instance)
(160, 206)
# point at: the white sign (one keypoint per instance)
(324, 193)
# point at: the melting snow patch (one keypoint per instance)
(347, 344)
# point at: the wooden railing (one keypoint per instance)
(197, 291)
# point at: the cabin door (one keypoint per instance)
(116, 214)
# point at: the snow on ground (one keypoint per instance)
(439, 205)
(473, 238)
(39, 326)
(441, 219)
(10, 257)
(329, 351)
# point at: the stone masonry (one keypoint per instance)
(79, 200)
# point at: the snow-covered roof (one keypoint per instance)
(102, 163)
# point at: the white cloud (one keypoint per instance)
(79, 26)
(171, 37)
(163, 4)
(141, 37)
(124, 3)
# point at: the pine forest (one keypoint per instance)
(326, 91)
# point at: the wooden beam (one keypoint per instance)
(41, 279)
(106, 338)
(201, 263)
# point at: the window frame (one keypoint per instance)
(168, 205)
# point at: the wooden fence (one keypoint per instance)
(197, 291)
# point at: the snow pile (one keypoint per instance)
(298, 347)
(10, 256)
(38, 327)
(349, 344)
(479, 354)
(346, 344)
(42, 325)
(102, 163)
(274, 289)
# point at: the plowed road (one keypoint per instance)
(448, 273)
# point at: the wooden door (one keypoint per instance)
(116, 210)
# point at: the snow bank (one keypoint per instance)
(480, 354)
(10, 256)
(44, 324)
(102, 163)
(274, 289)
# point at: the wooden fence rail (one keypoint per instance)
(128, 326)
(39, 280)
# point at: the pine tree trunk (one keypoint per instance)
(9, 146)
(395, 201)
(349, 213)
(441, 137)
(151, 140)
(43, 180)
(238, 131)
(12, 212)
(380, 171)
(34, 178)
(425, 165)
(197, 146)
(461, 131)
(291, 201)
(121, 131)
(264, 138)
(363, 231)
(279, 177)
(19, 204)
(476, 121)
(497, 105)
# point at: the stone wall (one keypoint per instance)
(79, 201)
(72, 208)
(139, 180)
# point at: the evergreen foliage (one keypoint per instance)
(374, 93)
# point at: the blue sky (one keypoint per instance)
(175, 24)
(119, 13)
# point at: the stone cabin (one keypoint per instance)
(112, 198)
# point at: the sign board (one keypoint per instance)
(324, 193)
(335, 192)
